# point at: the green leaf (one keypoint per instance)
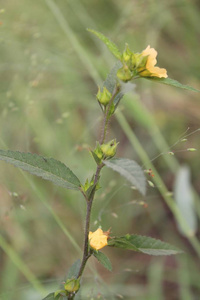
(111, 79)
(143, 244)
(74, 269)
(103, 259)
(111, 46)
(172, 82)
(130, 170)
(59, 293)
(47, 168)
(90, 190)
(110, 84)
(51, 297)
(122, 242)
(96, 158)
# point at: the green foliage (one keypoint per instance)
(111, 79)
(74, 269)
(59, 292)
(29, 114)
(55, 296)
(111, 46)
(72, 285)
(49, 297)
(47, 168)
(143, 244)
(172, 82)
(103, 259)
(111, 82)
(130, 170)
(96, 157)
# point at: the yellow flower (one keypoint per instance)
(150, 70)
(98, 239)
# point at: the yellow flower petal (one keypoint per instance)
(150, 69)
(98, 239)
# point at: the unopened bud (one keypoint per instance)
(104, 97)
(72, 285)
(109, 149)
(124, 74)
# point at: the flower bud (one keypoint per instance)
(124, 73)
(72, 285)
(104, 97)
(109, 149)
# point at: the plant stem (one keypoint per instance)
(107, 115)
(87, 252)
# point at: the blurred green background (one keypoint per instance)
(50, 67)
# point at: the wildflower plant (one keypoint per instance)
(130, 66)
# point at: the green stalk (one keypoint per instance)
(86, 250)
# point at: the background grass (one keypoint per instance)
(49, 70)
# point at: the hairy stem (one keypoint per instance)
(86, 251)
(107, 115)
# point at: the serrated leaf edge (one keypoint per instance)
(72, 185)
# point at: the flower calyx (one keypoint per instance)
(89, 187)
(124, 73)
(72, 285)
(104, 151)
(109, 149)
(103, 97)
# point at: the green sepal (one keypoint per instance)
(96, 158)
(90, 190)
(127, 55)
(98, 152)
(112, 109)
